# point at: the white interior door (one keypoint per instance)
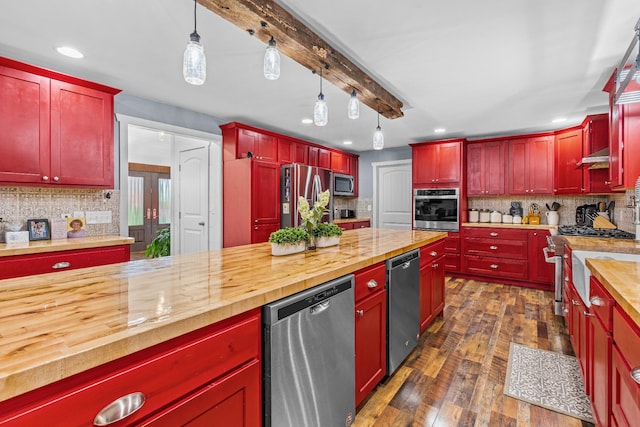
(392, 196)
(193, 191)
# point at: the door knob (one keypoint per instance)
(201, 223)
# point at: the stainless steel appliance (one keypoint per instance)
(589, 231)
(347, 213)
(309, 360)
(436, 209)
(555, 246)
(403, 307)
(343, 185)
(301, 180)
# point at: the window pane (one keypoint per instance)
(164, 201)
(136, 200)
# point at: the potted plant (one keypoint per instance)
(327, 234)
(288, 240)
(160, 245)
(312, 215)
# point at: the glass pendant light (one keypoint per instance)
(321, 110)
(272, 61)
(378, 137)
(353, 107)
(194, 64)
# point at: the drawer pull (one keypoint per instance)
(494, 266)
(565, 256)
(586, 313)
(119, 409)
(433, 253)
(493, 248)
(565, 310)
(372, 284)
(566, 279)
(61, 264)
(574, 302)
(360, 312)
(493, 234)
(436, 265)
(596, 301)
(635, 374)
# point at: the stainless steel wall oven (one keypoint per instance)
(436, 209)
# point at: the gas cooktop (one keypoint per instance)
(586, 231)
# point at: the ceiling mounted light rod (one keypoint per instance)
(353, 107)
(378, 137)
(194, 63)
(320, 109)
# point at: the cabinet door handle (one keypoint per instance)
(635, 374)
(360, 312)
(565, 310)
(493, 248)
(433, 253)
(493, 234)
(119, 409)
(372, 284)
(45, 178)
(574, 302)
(494, 266)
(586, 313)
(56, 179)
(436, 265)
(566, 279)
(565, 256)
(596, 301)
(61, 264)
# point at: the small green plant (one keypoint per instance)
(160, 245)
(289, 236)
(327, 230)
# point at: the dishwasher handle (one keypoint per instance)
(319, 308)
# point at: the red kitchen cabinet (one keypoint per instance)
(569, 152)
(437, 164)
(206, 372)
(344, 226)
(370, 329)
(530, 165)
(312, 156)
(431, 283)
(26, 265)
(452, 252)
(285, 151)
(57, 129)
(340, 163)
(251, 201)
(361, 224)
(238, 140)
(300, 153)
(625, 390)
(624, 139)
(596, 138)
(324, 158)
(540, 270)
(486, 168)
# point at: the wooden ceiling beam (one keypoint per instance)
(267, 19)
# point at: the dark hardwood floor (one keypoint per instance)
(456, 375)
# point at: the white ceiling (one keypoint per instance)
(476, 68)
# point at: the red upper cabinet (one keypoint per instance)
(596, 138)
(569, 153)
(285, 151)
(530, 165)
(340, 162)
(624, 140)
(56, 129)
(437, 164)
(324, 158)
(239, 140)
(300, 153)
(485, 168)
(312, 156)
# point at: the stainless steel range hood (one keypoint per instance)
(597, 160)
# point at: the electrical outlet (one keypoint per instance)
(368, 208)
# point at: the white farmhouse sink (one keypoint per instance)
(582, 274)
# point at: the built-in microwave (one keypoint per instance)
(343, 185)
(436, 209)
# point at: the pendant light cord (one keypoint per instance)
(195, 3)
(321, 80)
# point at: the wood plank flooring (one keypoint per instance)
(456, 375)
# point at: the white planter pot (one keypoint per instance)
(323, 242)
(278, 250)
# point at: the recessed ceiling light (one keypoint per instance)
(70, 52)
(347, 142)
(439, 130)
(559, 120)
(307, 121)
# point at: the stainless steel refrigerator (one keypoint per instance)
(306, 181)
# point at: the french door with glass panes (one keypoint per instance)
(149, 203)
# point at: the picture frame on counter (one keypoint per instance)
(39, 229)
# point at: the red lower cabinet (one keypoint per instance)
(432, 270)
(600, 378)
(210, 374)
(370, 329)
(625, 390)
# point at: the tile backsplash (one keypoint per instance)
(623, 214)
(17, 204)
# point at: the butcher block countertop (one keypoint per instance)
(626, 246)
(43, 246)
(58, 324)
(507, 225)
(346, 220)
(622, 280)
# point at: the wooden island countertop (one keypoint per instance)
(59, 324)
(622, 280)
(44, 246)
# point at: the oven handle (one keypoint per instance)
(550, 259)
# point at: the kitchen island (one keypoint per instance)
(53, 326)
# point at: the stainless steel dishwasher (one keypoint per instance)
(403, 307)
(309, 363)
